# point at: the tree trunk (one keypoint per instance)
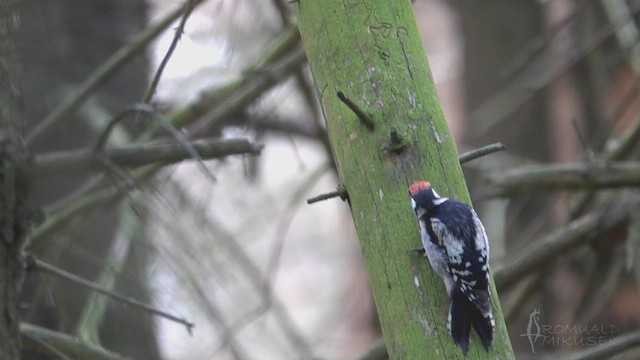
(12, 229)
(371, 51)
(77, 37)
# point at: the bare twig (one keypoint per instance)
(247, 318)
(576, 233)
(341, 192)
(34, 263)
(85, 160)
(187, 8)
(609, 349)
(79, 205)
(305, 86)
(94, 311)
(257, 280)
(256, 84)
(590, 155)
(283, 225)
(115, 170)
(104, 72)
(106, 133)
(626, 31)
(362, 116)
(629, 141)
(165, 123)
(221, 101)
(518, 297)
(563, 177)
(480, 152)
(397, 142)
(529, 82)
(49, 348)
(189, 275)
(604, 274)
(624, 104)
(535, 47)
(235, 96)
(300, 128)
(65, 345)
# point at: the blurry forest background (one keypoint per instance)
(232, 245)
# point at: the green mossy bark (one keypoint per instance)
(371, 50)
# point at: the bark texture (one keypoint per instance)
(371, 51)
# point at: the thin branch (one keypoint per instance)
(34, 263)
(228, 246)
(627, 143)
(535, 47)
(285, 222)
(285, 55)
(519, 296)
(258, 281)
(605, 274)
(165, 124)
(305, 86)
(119, 174)
(623, 149)
(79, 205)
(626, 31)
(85, 160)
(223, 100)
(290, 127)
(572, 235)
(613, 118)
(104, 72)
(563, 177)
(94, 311)
(106, 133)
(66, 344)
(361, 114)
(537, 76)
(188, 7)
(586, 148)
(247, 319)
(188, 276)
(257, 84)
(282, 227)
(609, 349)
(340, 192)
(50, 348)
(480, 152)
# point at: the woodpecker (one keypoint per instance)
(455, 242)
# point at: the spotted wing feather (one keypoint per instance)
(467, 261)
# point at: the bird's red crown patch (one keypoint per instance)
(418, 186)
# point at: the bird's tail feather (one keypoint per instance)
(462, 315)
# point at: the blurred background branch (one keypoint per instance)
(265, 277)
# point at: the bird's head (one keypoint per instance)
(423, 197)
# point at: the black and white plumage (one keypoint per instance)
(455, 242)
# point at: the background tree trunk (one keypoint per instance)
(12, 209)
(64, 42)
(372, 52)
